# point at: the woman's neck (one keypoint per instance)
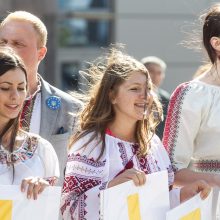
(212, 76)
(124, 131)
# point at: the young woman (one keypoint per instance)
(25, 159)
(192, 132)
(116, 142)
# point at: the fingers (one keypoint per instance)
(141, 178)
(30, 188)
(191, 190)
(36, 189)
(43, 185)
(35, 186)
(204, 189)
(138, 177)
(24, 184)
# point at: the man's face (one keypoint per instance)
(156, 74)
(21, 36)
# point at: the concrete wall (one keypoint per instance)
(147, 27)
(156, 28)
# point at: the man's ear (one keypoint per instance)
(41, 53)
(215, 42)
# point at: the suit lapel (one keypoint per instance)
(48, 116)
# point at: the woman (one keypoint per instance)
(192, 132)
(116, 142)
(25, 159)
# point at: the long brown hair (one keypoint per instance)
(10, 61)
(107, 73)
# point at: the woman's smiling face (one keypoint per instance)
(132, 97)
(12, 94)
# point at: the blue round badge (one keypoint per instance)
(53, 102)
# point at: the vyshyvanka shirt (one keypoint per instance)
(85, 176)
(35, 157)
(192, 132)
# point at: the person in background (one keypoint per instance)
(116, 141)
(192, 131)
(47, 111)
(26, 159)
(157, 68)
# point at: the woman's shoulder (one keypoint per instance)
(157, 146)
(158, 149)
(195, 87)
(37, 141)
(88, 145)
(156, 143)
(193, 95)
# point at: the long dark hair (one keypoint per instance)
(10, 61)
(107, 74)
(211, 28)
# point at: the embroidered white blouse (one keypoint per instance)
(85, 177)
(35, 157)
(192, 131)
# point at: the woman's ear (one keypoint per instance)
(112, 97)
(215, 42)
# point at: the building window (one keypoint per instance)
(72, 5)
(84, 32)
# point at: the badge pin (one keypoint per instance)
(53, 102)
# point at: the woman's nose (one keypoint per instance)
(14, 94)
(143, 94)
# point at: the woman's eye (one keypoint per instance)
(134, 89)
(21, 89)
(4, 89)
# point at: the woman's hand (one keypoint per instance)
(138, 177)
(192, 189)
(36, 185)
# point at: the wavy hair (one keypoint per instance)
(106, 74)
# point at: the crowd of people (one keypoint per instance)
(48, 137)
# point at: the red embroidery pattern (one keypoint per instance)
(25, 152)
(173, 117)
(79, 184)
(76, 184)
(207, 165)
(51, 180)
(85, 160)
(123, 153)
(26, 113)
(144, 165)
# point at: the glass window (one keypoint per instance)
(72, 5)
(83, 32)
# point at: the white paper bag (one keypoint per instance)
(14, 204)
(150, 201)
